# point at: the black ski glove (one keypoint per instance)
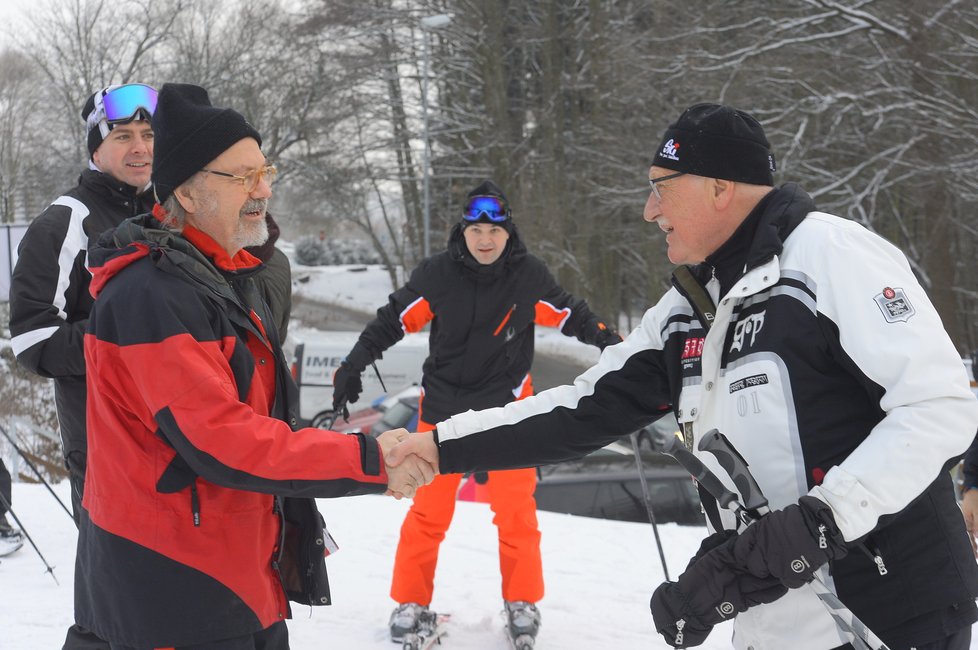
(710, 543)
(606, 336)
(710, 591)
(347, 386)
(790, 544)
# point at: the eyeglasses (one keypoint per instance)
(251, 179)
(494, 208)
(121, 104)
(667, 177)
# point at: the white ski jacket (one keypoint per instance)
(828, 368)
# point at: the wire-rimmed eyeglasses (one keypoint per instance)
(667, 177)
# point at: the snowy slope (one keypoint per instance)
(599, 576)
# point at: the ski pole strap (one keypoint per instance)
(697, 295)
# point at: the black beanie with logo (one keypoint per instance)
(717, 141)
(189, 132)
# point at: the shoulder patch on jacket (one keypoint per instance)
(895, 305)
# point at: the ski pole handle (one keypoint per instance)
(704, 476)
(736, 467)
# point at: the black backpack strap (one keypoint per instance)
(685, 281)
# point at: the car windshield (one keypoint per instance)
(398, 415)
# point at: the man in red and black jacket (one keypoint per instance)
(199, 523)
(483, 296)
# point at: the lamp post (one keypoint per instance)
(427, 23)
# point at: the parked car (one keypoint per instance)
(604, 484)
(653, 437)
(397, 411)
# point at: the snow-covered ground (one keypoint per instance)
(599, 574)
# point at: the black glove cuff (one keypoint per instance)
(670, 613)
(358, 359)
(821, 523)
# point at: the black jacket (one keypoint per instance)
(49, 298)
(482, 324)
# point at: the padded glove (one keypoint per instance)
(606, 336)
(710, 591)
(347, 386)
(790, 544)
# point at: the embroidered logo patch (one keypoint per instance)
(745, 334)
(670, 150)
(895, 305)
(693, 348)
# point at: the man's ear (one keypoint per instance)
(722, 192)
(186, 198)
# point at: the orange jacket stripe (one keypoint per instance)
(549, 316)
(416, 316)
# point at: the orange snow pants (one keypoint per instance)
(424, 527)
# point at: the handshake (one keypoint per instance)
(411, 460)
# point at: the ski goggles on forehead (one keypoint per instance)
(121, 104)
(494, 209)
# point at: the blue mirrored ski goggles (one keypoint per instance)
(494, 209)
(122, 103)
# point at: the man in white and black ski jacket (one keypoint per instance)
(49, 298)
(809, 343)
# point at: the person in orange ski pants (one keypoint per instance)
(483, 296)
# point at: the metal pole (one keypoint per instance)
(37, 471)
(6, 506)
(426, 208)
(427, 24)
(648, 502)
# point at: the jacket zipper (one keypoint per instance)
(873, 552)
(505, 320)
(195, 503)
(277, 558)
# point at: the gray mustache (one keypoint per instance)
(255, 205)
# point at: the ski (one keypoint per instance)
(431, 628)
(521, 641)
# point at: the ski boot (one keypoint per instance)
(404, 619)
(523, 623)
(8, 532)
(11, 539)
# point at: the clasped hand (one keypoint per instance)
(411, 460)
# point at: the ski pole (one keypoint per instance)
(36, 471)
(648, 502)
(6, 505)
(862, 637)
(735, 465)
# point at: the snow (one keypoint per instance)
(599, 574)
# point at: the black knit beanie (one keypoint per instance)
(189, 132)
(717, 141)
(488, 188)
